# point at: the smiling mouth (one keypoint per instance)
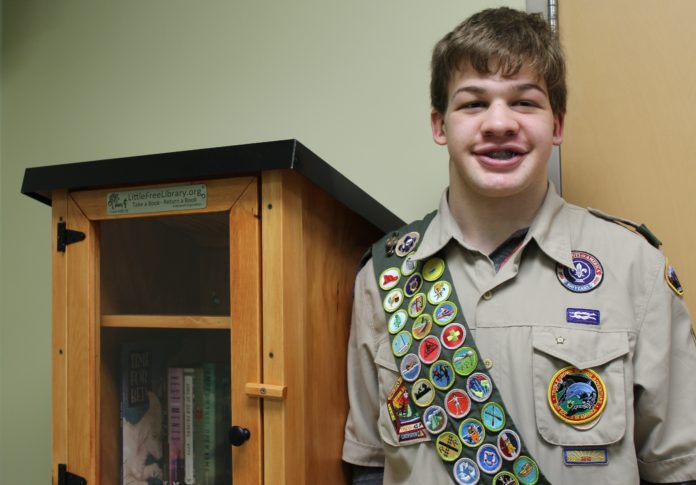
(502, 155)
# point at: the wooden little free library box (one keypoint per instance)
(201, 299)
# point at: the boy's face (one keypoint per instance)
(499, 132)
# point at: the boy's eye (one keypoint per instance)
(526, 103)
(473, 105)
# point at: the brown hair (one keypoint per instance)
(499, 40)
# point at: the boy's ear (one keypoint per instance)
(558, 125)
(437, 124)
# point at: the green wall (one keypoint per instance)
(90, 79)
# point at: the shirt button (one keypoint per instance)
(488, 363)
(487, 295)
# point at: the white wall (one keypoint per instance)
(89, 79)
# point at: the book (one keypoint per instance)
(175, 423)
(209, 432)
(189, 471)
(142, 417)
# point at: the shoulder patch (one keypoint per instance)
(633, 226)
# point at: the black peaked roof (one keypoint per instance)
(206, 163)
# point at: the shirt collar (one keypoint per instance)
(550, 229)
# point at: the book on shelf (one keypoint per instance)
(142, 414)
(189, 472)
(175, 424)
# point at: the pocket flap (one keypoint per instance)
(385, 358)
(580, 348)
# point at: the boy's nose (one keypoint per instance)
(499, 120)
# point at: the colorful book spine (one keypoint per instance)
(189, 469)
(209, 402)
(142, 420)
(198, 417)
(175, 421)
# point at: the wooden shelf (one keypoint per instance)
(166, 321)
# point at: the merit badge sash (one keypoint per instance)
(441, 372)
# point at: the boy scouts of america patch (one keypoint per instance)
(585, 275)
(672, 280)
(404, 416)
(577, 396)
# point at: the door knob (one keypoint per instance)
(239, 435)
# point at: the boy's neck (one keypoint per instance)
(486, 223)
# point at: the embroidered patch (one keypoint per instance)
(526, 470)
(585, 275)
(465, 360)
(429, 349)
(448, 446)
(407, 243)
(445, 312)
(509, 444)
(577, 396)
(416, 305)
(404, 416)
(409, 265)
(585, 316)
(466, 472)
(479, 386)
(493, 416)
(442, 375)
(439, 292)
(488, 459)
(505, 478)
(421, 327)
(435, 419)
(433, 269)
(672, 280)
(423, 393)
(393, 300)
(472, 432)
(389, 278)
(410, 367)
(413, 284)
(397, 322)
(453, 335)
(401, 343)
(458, 403)
(585, 456)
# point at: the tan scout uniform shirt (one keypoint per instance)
(643, 349)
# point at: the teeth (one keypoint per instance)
(501, 155)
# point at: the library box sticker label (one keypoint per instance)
(179, 198)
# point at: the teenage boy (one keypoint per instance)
(511, 337)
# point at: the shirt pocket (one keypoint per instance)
(603, 352)
(387, 375)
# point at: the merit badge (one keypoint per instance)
(442, 375)
(479, 386)
(413, 284)
(672, 280)
(389, 278)
(457, 403)
(422, 325)
(401, 343)
(448, 446)
(505, 478)
(435, 419)
(423, 393)
(466, 472)
(526, 470)
(404, 417)
(465, 361)
(493, 416)
(585, 275)
(429, 349)
(397, 322)
(582, 315)
(453, 335)
(393, 300)
(409, 265)
(509, 444)
(488, 459)
(410, 367)
(445, 312)
(585, 456)
(433, 269)
(416, 305)
(577, 396)
(439, 292)
(406, 244)
(471, 432)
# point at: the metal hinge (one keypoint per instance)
(67, 478)
(67, 236)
